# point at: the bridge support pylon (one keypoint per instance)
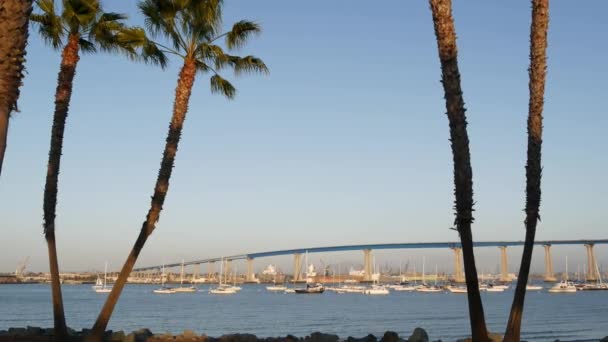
(250, 275)
(591, 270)
(458, 273)
(297, 267)
(211, 270)
(227, 268)
(504, 265)
(367, 265)
(549, 275)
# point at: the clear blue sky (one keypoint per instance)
(344, 142)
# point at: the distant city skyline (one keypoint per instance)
(345, 142)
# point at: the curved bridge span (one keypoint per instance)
(367, 248)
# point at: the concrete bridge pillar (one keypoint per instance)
(458, 274)
(250, 275)
(211, 270)
(297, 267)
(227, 268)
(549, 276)
(367, 264)
(504, 264)
(591, 270)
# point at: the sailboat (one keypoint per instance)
(181, 287)
(163, 289)
(100, 287)
(376, 288)
(426, 287)
(222, 289)
(274, 287)
(310, 289)
(564, 286)
(599, 286)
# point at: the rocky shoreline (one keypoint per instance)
(37, 334)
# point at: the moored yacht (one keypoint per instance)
(182, 288)
(163, 289)
(311, 289)
(563, 287)
(376, 290)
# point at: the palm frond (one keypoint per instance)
(134, 41)
(241, 32)
(80, 13)
(248, 64)
(86, 46)
(46, 6)
(222, 86)
(49, 25)
(160, 16)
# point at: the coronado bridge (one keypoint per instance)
(592, 273)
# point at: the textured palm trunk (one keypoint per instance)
(14, 19)
(463, 175)
(537, 72)
(69, 60)
(180, 108)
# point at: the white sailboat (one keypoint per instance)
(181, 288)
(274, 287)
(100, 287)
(163, 289)
(376, 288)
(222, 289)
(564, 286)
(426, 287)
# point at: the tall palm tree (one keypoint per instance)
(463, 175)
(83, 26)
(14, 19)
(193, 28)
(537, 73)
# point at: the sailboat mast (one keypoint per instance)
(105, 274)
(423, 262)
(181, 276)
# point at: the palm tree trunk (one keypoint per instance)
(537, 72)
(69, 60)
(14, 19)
(463, 175)
(180, 108)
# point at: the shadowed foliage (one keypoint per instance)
(463, 174)
(537, 72)
(189, 29)
(77, 26)
(14, 19)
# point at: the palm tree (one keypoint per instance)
(193, 30)
(463, 175)
(537, 72)
(14, 19)
(81, 26)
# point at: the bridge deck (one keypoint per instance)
(407, 245)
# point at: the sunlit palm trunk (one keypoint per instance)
(463, 175)
(69, 59)
(180, 108)
(14, 19)
(537, 72)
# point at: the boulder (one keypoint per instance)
(605, 339)
(238, 338)
(320, 337)
(419, 335)
(390, 336)
(368, 338)
(291, 338)
(17, 331)
(117, 336)
(189, 334)
(34, 331)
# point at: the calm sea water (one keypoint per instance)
(583, 315)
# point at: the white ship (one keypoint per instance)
(270, 270)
